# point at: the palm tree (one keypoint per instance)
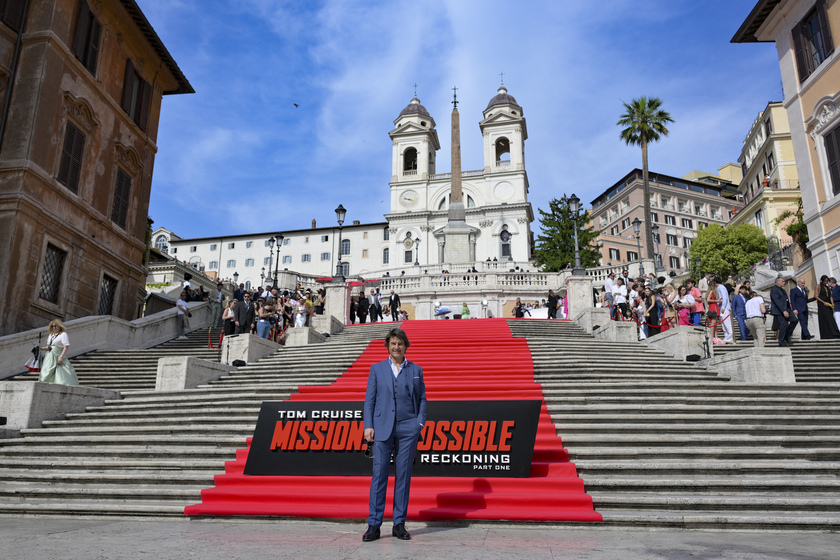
(644, 121)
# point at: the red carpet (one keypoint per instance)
(462, 360)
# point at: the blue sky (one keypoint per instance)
(239, 157)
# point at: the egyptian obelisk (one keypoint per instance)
(457, 232)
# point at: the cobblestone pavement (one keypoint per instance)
(68, 539)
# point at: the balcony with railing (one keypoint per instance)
(474, 173)
(775, 185)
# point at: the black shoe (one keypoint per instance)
(400, 532)
(371, 534)
(783, 344)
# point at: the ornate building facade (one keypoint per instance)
(83, 82)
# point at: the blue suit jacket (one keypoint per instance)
(379, 398)
(798, 300)
(739, 306)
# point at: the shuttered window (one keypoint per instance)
(812, 40)
(832, 152)
(137, 96)
(86, 41)
(70, 167)
(122, 189)
(11, 12)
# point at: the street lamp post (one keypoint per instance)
(654, 229)
(280, 238)
(637, 227)
(417, 251)
(236, 279)
(574, 206)
(340, 213)
(262, 276)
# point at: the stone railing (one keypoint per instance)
(473, 173)
(100, 332)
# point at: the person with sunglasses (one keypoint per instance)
(55, 367)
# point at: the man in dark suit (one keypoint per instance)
(239, 294)
(781, 309)
(362, 307)
(394, 414)
(394, 304)
(799, 302)
(552, 305)
(243, 316)
(739, 309)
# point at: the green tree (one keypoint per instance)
(555, 248)
(796, 228)
(644, 121)
(727, 251)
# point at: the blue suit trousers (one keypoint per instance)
(403, 444)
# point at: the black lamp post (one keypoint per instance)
(236, 279)
(262, 276)
(654, 229)
(637, 227)
(340, 213)
(417, 251)
(279, 239)
(574, 206)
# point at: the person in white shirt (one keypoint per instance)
(755, 318)
(620, 297)
(609, 287)
(216, 301)
(725, 310)
(181, 306)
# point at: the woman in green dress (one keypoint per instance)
(465, 311)
(55, 367)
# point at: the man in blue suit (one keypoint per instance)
(394, 414)
(739, 309)
(799, 302)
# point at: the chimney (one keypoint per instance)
(313, 224)
(356, 222)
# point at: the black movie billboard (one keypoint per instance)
(459, 438)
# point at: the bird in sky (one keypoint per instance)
(296, 105)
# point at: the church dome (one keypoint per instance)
(414, 108)
(502, 98)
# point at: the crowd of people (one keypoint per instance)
(657, 305)
(376, 307)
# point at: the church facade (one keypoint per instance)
(495, 199)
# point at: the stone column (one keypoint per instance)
(579, 292)
(338, 301)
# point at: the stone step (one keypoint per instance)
(737, 503)
(641, 452)
(569, 420)
(717, 520)
(709, 467)
(674, 428)
(94, 509)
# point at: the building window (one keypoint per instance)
(675, 262)
(615, 255)
(386, 233)
(213, 247)
(671, 239)
(654, 217)
(386, 255)
(768, 127)
(267, 244)
(306, 239)
(106, 296)
(119, 212)
(325, 256)
(632, 256)
(174, 250)
(625, 223)
(364, 253)
(193, 249)
(287, 259)
(687, 242)
(686, 223)
(670, 220)
(306, 258)
(832, 151)
(249, 262)
(325, 238)
(345, 269)
(409, 257)
(51, 275)
(812, 41)
(267, 261)
(86, 40)
(231, 245)
(70, 167)
(614, 230)
(364, 235)
(249, 244)
(287, 241)
(771, 161)
(345, 247)
(213, 265)
(11, 12)
(701, 225)
(759, 219)
(231, 263)
(136, 96)
(160, 243)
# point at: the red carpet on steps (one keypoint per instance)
(462, 360)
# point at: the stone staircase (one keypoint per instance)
(149, 454)
(658, 442)
(814, 361)
(676, 446)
